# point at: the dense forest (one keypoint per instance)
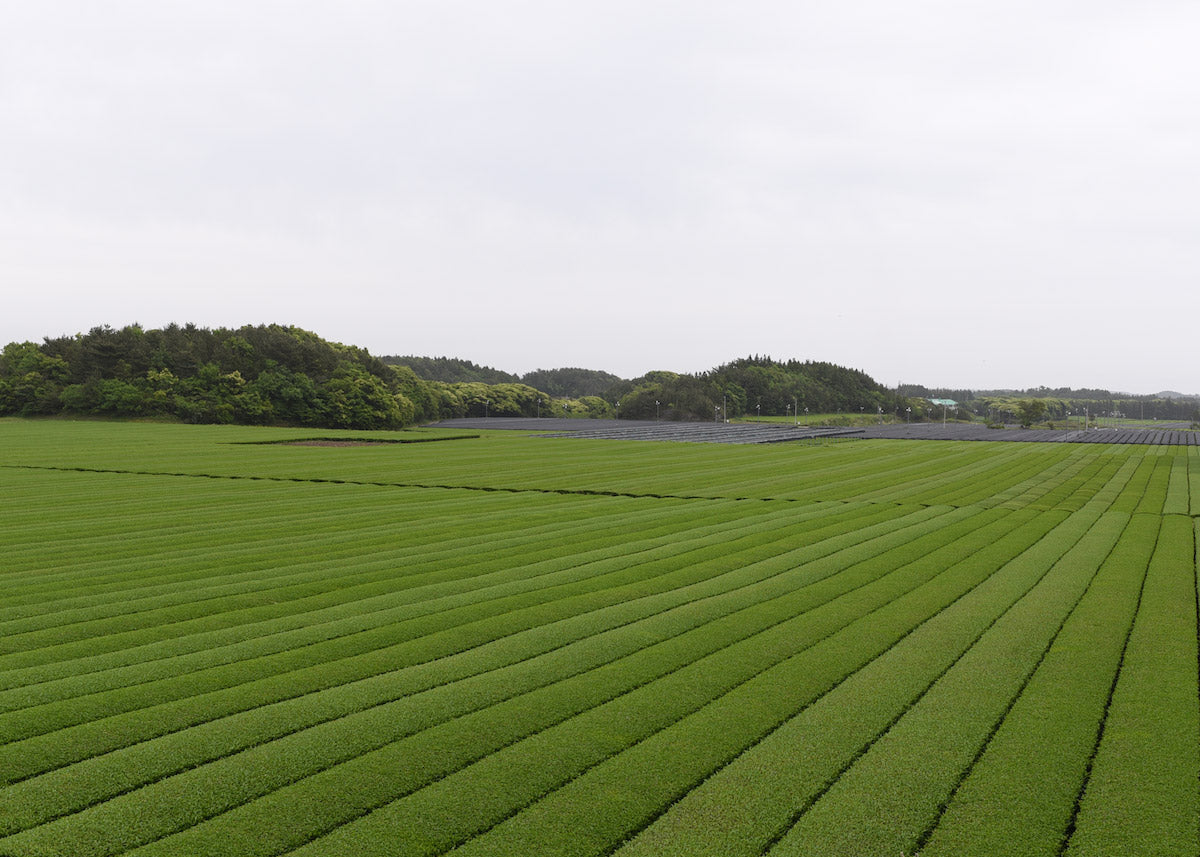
(758, 386)
(569, 383)
(746, 387)
(279, 375)
(451, 370)
(267, 374)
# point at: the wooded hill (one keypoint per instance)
(570, 383)
(745, 387)
(451, 370)
(273, 374)
(258, 375)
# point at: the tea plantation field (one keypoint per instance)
(495, 644)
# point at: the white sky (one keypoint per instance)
(975, 194)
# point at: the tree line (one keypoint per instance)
(1061, 403)
(760, 386)
(566, 383)
(265, 374)
(281, 375)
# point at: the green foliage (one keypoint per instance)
(1020, 796)
(1030, 411)
(358, 399)
(451, 370)
(30, 380)
(591, 407)
(755, 386)
(267, 374)
(567, 383)
(570, 383)
(1063, 404)
(1142, 795)
(492, 400)
(751, 386)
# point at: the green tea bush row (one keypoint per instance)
(909, 576)
(362, 540)
(1076, 491)
(198, 650)
(886, 800)
(745, 805)
(1138, 484)
(515, 586)
(936, 483)
(645, 780)
(1039, 485)
(468, 562)
(344, 738)
(658, 763)
(1155, 497)
(432, 571)
(1143, 795)
(274, 541)
(35, 796)
(1019, 796)
(304, 672)
(1028, 478)
(1176, 502)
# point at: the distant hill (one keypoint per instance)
(282, 375)
(451, 370)
(571, 383)
(259, 375)
(759, 386)
(265, 374)
(567, 383)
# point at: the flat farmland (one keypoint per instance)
(213, 642)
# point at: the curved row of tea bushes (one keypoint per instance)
(212, 647)
(1143, 796)
(774, 577)
(685, 781)
(890, 796)
(1019, 796)
(351, 738)
(472, 617)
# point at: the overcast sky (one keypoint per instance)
(969, 194)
